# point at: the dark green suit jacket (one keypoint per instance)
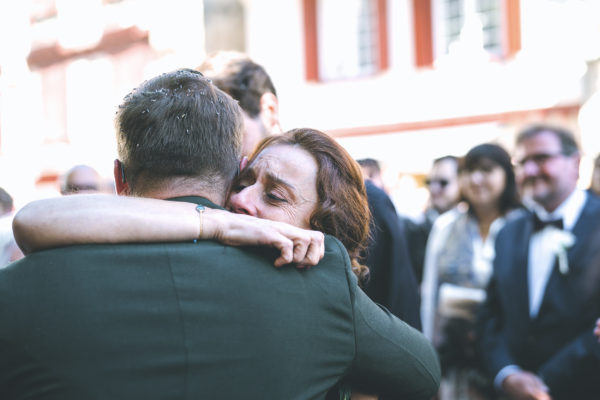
(195, 321)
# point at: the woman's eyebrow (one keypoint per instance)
(289, 187)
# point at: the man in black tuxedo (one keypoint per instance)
(544, 296)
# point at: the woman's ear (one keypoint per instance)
(243, 163)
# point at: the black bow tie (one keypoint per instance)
(538, 224)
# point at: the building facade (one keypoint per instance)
(402, 81)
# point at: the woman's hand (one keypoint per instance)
(302, 247)
(597, 329)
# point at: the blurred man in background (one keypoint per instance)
(442, 184)
(82, 179)
(595, 184)
(392, 282)
(372, 171)
(9, 251)
(544, 295)
(248, 83)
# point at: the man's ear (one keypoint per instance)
(121, 185)
(269, 112)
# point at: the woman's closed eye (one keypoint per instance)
(275, 198)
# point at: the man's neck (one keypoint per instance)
(551, 207)
(214, 191)
(569, 210)
(168, 194)
(220, 201)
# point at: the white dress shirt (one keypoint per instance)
(542, 246)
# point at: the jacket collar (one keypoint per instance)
(196, 200)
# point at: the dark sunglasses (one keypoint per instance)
(539, 159)
(80, 188)
(442, 182)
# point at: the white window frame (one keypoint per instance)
(440, 42)
(339, 39)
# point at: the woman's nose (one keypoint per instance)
(242, 202)
(476, 176)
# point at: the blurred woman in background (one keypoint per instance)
(458, 265)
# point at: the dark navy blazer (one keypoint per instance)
(558, 344)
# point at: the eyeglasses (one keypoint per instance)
(80, 188)
(441, 182)
(539, 159)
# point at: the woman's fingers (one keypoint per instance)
(286, 251)
(307, 250)
(315, 250)
(300, 249)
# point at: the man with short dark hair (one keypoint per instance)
(444, 194)
(371, 171)
(194, 320)
(544, 295)
(248, 83)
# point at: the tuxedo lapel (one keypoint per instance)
(519, 270)
(582, 231)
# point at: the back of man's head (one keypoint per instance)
(243, 79)
(180, 126)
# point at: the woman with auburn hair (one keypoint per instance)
(302, 177)
(341, 210)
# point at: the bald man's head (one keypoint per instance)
(82, 179)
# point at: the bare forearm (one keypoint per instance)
(102, 219)
(85, 219)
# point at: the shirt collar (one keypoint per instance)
(569, 210)
(197, 200)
